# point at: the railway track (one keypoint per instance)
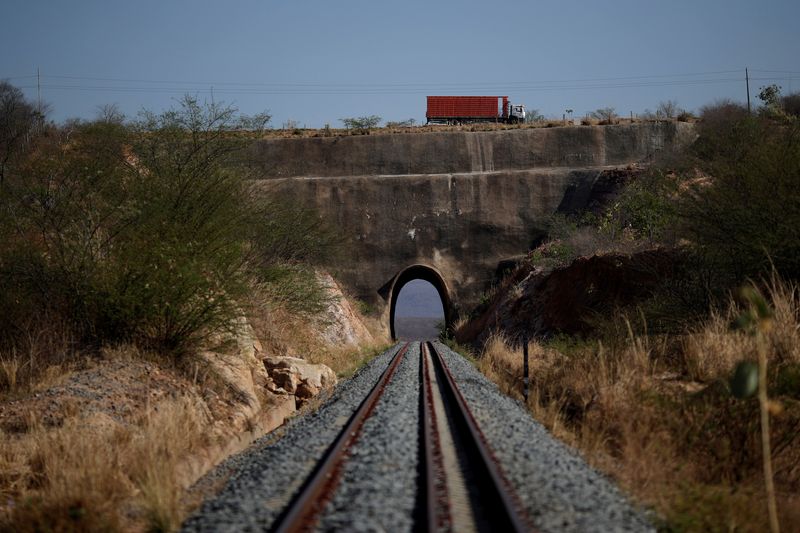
(466, 489)
(461, 483)
(411, 458)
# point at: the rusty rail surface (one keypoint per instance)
(437, 504)
(304, 510)
(500, 505)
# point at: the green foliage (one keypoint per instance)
(646, 207)
(146, 233)
(771, 96)
(553, 254)
(364, 123)
(283, 231)
(295, 287)
(365, 308)
(19, 119)
(743, 220)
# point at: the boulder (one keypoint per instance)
(306, 391)
(299, 377)
(285, 379)
(318, 375)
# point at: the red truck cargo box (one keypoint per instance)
(464, 107)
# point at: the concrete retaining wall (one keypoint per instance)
(448, 152)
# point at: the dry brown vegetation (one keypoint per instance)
(284, 332)
(656, 414)
(87, 468)
(128, 253)
(287, 133)
(73, 462)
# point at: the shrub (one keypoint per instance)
(791, 104)
(744, 218)
(364, 123)
(401, 124)
(606, 115)
(145, 232)
(647, 207)
(668, 109)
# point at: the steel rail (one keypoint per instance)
(437, 504)
(304, 510)
(497, 495)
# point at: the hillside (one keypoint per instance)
(653, 320)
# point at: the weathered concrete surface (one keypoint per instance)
(459, 224)
(457, 202)
(447, 152)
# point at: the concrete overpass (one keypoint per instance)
(448, 206)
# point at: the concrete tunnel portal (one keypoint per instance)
(392, 290)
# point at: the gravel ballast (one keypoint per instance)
(558, 489)
(267, 475)
(378, 489)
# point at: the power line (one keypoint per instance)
(390, 84)
(358, 90)
(776, 71)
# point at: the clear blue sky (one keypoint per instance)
(316, 61)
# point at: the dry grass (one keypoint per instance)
(655, 414)
(712, 350)
(98, 474)
(93, 472)
(300, 132)
(43, 357)
(283, 333)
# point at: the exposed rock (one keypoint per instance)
(306, 391)
(299, 377)
(535, 302)
(285, 379)
(341, 325)
(318, 375)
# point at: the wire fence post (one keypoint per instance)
(525, 367)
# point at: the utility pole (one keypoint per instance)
(39, 91)
(747, 81)
(525, 382)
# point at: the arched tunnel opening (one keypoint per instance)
(420, 304)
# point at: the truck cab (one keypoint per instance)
(516, 113)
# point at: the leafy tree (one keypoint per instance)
(146, 232)
(771, 96)
(364, 123)
(647, 207)
(743, 218)
(18, 121)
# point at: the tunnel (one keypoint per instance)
(425, 273)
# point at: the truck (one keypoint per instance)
(466, 109)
